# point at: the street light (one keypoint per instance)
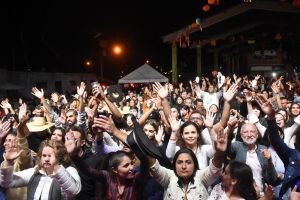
(117, 49)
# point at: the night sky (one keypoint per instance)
(56, 36)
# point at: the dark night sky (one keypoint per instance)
(56, 36)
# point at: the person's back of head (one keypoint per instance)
(243, 175)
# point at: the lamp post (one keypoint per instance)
(102, 55)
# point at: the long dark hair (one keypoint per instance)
(185, 124)
(63, 133)
(114, 160)
(290, 109)
(266, 139)
(244, 176)
(194, 158)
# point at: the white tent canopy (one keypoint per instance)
(144, 74)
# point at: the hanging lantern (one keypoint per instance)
(194, 25)
(211, 2)
(206, 8)
(198, 21)
(278, 37)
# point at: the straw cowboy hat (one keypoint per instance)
(39, 124)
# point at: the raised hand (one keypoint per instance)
(175, 124)
(159, 134)
(257, 77)
(234, 77)
(229, 94)
(20, 101)
(209, 119)
(38, 93)
(221, 142)
(12, 152)
(161, 91)
(55, 97)
(275, 88)
(232, 123)
(5, 104)
(106, 123)
(266, 153)
(63, 117)
(98, 92)
(71, 143)
(265, 105)
(4, 128)
(81, 89)
(22, 111)
(269, 193)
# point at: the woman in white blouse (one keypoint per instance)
(189, 135)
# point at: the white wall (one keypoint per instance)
(30, 79)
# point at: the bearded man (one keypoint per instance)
(255, 155)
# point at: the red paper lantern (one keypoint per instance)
(206, 8)
(194, 25)
(211, 2)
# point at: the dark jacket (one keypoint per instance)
(90, 188)
(290, 158)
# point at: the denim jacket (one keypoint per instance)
(238, 151)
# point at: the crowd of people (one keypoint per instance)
(217, 138)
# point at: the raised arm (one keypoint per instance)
(115, 111)
(171, 147)
(163, 93)
(7, 106)
(228, 96)
(40, 94)
(24, 161)
(107, 124)
(80, 92)
(278, 144)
